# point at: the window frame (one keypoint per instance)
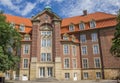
(96, 51)
(85, 65)
(83, 26)
(67, 76)
(25, 65)
(85, 74)
(94, 37)
(71, 26)
(83, 38)
(82, 52)
(22, 28)
(64, 50)
(98, 75)
(92, 22)
(74, 65)
(66, 65)
(24, 49)
(97, 63)
(74, 50)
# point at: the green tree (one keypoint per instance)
(9, 45)
(115, 48)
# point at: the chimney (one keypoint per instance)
(84, 12)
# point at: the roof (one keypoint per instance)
(20, 20)
(97, 16)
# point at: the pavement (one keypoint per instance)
(81, 81)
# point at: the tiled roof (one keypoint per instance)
(20, 20)
(103, 20)
(96, 16)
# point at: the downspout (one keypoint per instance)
(101, 55)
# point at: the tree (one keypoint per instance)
(115, 48)
(9, 45)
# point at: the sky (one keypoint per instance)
(63, 8)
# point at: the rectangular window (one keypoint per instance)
(71, 27)
(85, 75)
(74, 50)
(97, 62)
(95, 49)
(98, 75)
(84, 50)
(74, 63)
(67, 75)
(45, 57)
(25, 63)
(22, 28)
(66, 49)
(66, 63)
(94, 37)
(83, 38)
(49, 42)
(43, 42)
(85, 63)
(26, 49)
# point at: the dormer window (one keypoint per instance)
(92, 24)
(65, 37)
(12, 24)
(27, 37)
(81, 26)
(22, 28)
(71, 27)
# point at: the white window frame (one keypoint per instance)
(26, 37)
(97, 63)
(85, 75)
(67, 76)
(66, 51)
(66, 65)
(92, 22)
(83, 38)
(85, 65)
(74, 50)
(98, 75)
(74, 65)
(46, 57)
(22, 28)
(71, 27)
(25, 66)
(82, 50)
(96, 51)
(82, 26)
(94, 37)
(24, 49)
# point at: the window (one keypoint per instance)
(85, 63)
(67, 75)
(94, 37)
(85, 75)
(74, 63)
(74, 50)
(46, 42)
(83, 38)
(66, 63)
(22, 28)
(65, 38)
(81, 26)
(97, 62)
(26, 49)
(71, 27)
(98, 75)
(12, 25)
(95, 49)
(25, 63)
(92, 24)
(84, 50)
(26, 37)
(66, 49)
(45, 57)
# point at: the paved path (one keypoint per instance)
(81, 81)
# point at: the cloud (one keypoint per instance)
(73, 8)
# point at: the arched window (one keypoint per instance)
(82, 26)
(92, 24)
(22, 28)
(71, 27)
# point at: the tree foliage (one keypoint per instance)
(115, 48)
(9, 45)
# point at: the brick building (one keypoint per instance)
(71, 48)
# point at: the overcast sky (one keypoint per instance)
(64, 8)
